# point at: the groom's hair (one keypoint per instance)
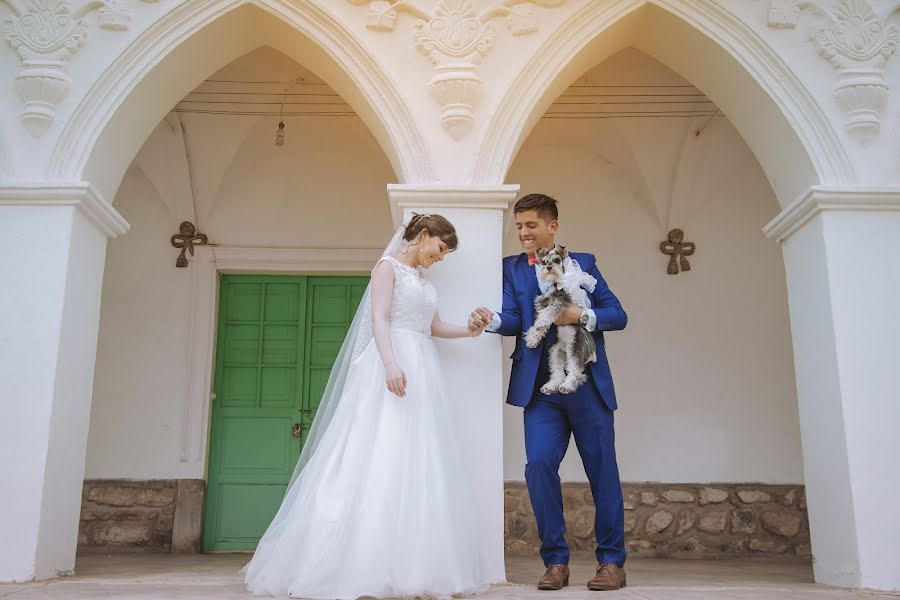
(545, 206)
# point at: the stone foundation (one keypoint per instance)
(678, 521)
(142, 515)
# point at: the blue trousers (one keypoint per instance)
(550, 420)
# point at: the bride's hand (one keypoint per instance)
(479, 319)
(396, 379)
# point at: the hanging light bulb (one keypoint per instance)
(279, 134)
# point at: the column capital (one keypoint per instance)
(494, 197)
(820, 198)
(81, 194)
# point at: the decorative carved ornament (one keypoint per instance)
(858, 43)
(45, 34)
(186, 238)
(455, 37)
(678, 250)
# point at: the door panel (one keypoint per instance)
(333, 304)
(278, 337)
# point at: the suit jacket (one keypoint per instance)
(520, 288)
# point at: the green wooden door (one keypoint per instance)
(278, 337)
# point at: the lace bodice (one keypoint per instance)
(414, 302)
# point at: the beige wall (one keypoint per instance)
(325, 188)
(704, 371)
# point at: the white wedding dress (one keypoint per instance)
(383, 507)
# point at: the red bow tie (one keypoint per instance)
(532, 260)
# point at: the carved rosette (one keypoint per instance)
(45, 34)
(857, 42)
(783, 14)
(455, 37)
(455, 41)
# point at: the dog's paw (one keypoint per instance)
(572, 383)
(549, 388)
(533, 338)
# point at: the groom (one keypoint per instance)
(550, 420)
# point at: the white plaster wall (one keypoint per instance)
(480, 439)
(248, 192)
(862, 250)
(409, 71)
(48, 334)
(704, 371)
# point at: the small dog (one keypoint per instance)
(575, 347)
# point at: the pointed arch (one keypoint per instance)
(193, 40)
(779, 118)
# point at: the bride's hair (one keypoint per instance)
(434, 225)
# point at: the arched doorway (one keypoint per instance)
(220, 161)
(783, 126)
(97, 145)
(632, 150)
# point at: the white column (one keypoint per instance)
(842, 258)
(52, 251)
(472, 276)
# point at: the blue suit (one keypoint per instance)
(550, 420)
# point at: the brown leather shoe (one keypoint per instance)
(556, 578)
(608, 577)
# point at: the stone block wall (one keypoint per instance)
(124, 514)
(678, 521)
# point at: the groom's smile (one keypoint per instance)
(535, 231)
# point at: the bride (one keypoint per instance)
(380, 503)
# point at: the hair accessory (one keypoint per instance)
(417, 217)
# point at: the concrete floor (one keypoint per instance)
(214, 576)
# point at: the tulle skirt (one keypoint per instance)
(383, 508)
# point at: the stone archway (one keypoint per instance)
(781, 121)
(182, 48)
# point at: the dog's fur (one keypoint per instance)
(575, 347)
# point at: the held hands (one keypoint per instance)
(479, 319)
(395, 379)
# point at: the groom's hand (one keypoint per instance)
(479, 319)
(569, 316)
